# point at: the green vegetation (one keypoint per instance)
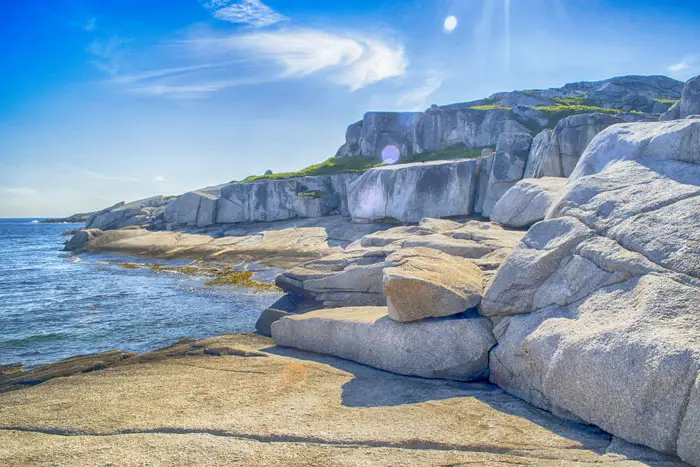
(240, 279)
(455, 152)
(490, 107)
(666, 101)
(329, 167)
(555, 113)
(311, 194)
(574, 100)
(532, 91)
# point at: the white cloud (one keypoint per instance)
(417, 99)
(159, 179)
(686, 63)
(252, 12)
(19, 191)
(352, 60)
(203, 65)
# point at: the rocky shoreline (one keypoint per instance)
(563, 269)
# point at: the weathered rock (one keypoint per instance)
(81, 238)
(70, 366)
(142, 212)
(594, 307)
(690, 100)
(424, 283)
(508, 167)
(539, 154)
(569, 140)
(319, 410)
(622, 92)
(673, 113)
(449, 348)
(410, 192)
(196, 208)
(437, 128)
(353, 277)
(281, 244)
(288, 304)
(528, 201)
(485, 164)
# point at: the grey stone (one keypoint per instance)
(441, 348)
(410, 192)
(527, 202)
(423, 283)
(508, 167)
(539, 154)
(81, 238)
(690, 100)
(142, 212)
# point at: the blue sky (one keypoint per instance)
(109, 100)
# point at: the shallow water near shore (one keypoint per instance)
(53, 306)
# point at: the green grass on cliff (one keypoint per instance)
(443, 155)
(490, 107)
(361, 164)
(328, 167)
(666, 101)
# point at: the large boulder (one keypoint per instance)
(81, 238)
(690, 100)
(424, 283)
(439, 348)
(508, 167)
(557, 155)
(410, 192)
(595, 308)
(196, 208)
(528, 201)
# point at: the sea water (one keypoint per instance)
(54, 305)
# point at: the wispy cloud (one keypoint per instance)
(417, 98)
(688, 62)
(352, 60)
(90, 25)
(107, 53)
(251, 12)
(202, 65)
(159, 179)
(19, 191)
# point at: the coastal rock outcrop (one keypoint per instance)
(556, 154)
(425, 283)
(354, 276)
(142, 212)
(439, 348)
(410, 192)
(595, 308)
(528, 201)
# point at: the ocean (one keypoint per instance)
(54, 306)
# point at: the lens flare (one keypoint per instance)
(390, 154)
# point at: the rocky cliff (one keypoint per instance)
(524, 134)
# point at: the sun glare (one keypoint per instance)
(450, 24)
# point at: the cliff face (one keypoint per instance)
(479, 123)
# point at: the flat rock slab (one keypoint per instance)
(443, 348)
(425, 283)
(291, 408)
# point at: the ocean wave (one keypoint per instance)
(30, 339)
